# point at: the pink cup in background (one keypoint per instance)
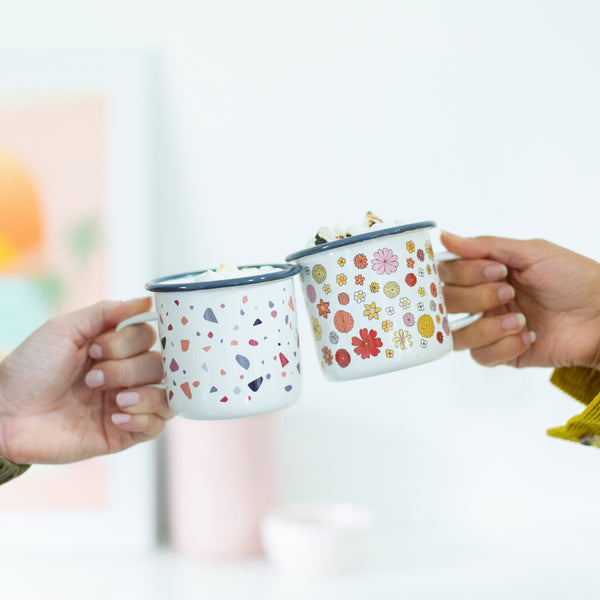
(222, 479)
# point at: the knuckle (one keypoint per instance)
(481, 358)
(116, 346)
(157, 364)
(123, 376)
(149, 334)
(159, 428)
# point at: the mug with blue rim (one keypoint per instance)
(375, 301)
(230, 348)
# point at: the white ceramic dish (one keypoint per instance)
(317, 539)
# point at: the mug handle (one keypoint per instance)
(463, 321)
(141, 318)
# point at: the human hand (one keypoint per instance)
(556, 290)
(75, 388)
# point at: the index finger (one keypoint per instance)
(471, 272)
(130, 341)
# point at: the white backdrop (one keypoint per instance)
(276, 117)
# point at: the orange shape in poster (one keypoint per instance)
(21, 222)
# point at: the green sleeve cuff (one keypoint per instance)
(10, 471)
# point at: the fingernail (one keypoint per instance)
(495, 272)
(127, 399)
(94, 378)
(528, 337)
(120, 418)
(95, 351)
(506, 293)
(453, 235)
(513, 322)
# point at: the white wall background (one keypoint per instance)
(276, 117)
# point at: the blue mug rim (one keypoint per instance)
(369, 235)
(160, 284)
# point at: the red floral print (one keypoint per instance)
(327, 355)
(342, 358)
(360, 261)
(323, 308)
(368, 344)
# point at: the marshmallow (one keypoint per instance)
(229, 271)
(341, 231)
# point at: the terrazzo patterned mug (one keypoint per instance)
(230, 348)
(375, 301)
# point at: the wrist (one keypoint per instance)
(596, 359)
(4, 452)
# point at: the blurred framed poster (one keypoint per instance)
(75, 228)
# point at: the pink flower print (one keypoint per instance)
(385, 261)
(446, 326)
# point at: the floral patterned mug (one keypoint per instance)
(375, 301)
(230, 348)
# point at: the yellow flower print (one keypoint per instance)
(341, 279)
(341, 261)
(425, 326)
(422, 291)
(428, 269)
(316, 328)
(327, 288)
(371, 311)
(374, 287)
(389, 353)
(387, 325)
(402, 339)
(437, 319)
(410, 246)
(429, 250)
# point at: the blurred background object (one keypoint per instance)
(70, 178)
(223, 477)
(272, 119)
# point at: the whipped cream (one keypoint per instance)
(229, 271)
(340, 231)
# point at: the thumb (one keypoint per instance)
(512, 253)
(94, 320)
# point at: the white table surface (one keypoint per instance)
(163, 574)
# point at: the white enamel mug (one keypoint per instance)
(375, 301)
(230, 348)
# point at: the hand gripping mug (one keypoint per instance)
(230, 348)
(375, 301)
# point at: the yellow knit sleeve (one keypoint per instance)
(583, 384)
